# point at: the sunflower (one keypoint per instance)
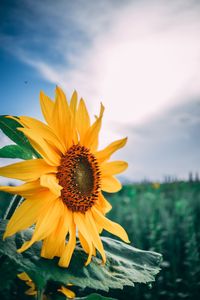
(63, 189)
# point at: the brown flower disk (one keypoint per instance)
(79, 175)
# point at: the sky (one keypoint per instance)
(140, 58)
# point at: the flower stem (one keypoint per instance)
(14, 203)
(39, 294)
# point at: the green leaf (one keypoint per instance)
(8, 277)
(5, 201)
(9, 127)
(15, 151)
(125, 264)
(94, 296)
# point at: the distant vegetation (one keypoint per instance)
(163, 218)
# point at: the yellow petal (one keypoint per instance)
(30, 283)
(69, 248)
(105, 154)
(83, 242)
(99, 228)
(103, 205)
(46, 223)
(54, 244)
(43, 131)
(47, 107)
(27, 213)
(94, 234)
(62, 122)
(79, 220)
(108, 225)
(17, 119)
(24, 190)
(31, 291)
(59, 93)
(28, 170)
(73, 104)
(112, 168)
(69, 294)
(110, 184)
(42, 147)
(82, 120)
(24, 276)
(91, 137)
(51, 182)
(96, 140)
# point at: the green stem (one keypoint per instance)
(14, 203)
(39, 294)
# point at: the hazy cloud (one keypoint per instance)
(166, 145)
(142, 53)
(141, 58)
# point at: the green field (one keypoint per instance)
(164, 218)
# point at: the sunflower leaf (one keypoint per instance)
(9, 128)
(15, 151)
(95, 296)
(5, 201)
(125, 264)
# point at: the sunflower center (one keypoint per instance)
(79, 175)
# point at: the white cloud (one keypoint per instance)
(146, 60)
(138, 58)
(166, 145)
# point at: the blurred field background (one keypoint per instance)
(164, 218)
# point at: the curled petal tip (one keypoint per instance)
(88, 261)
(103, 262)
(42, 94)
(75, 92)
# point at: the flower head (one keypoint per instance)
(63, 188)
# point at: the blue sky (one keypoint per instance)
(140, 58)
